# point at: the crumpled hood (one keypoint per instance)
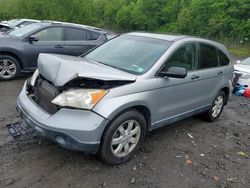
(242, 68)
(59, 69)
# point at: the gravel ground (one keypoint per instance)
(190, 153)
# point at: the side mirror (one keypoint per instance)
(33, 39)
(238, 61)
(174, 72)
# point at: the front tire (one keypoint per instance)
(9, 67)
(123, 138)
(217, 107)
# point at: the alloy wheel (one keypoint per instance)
(126, 138)
(7, 68)
(218, 105)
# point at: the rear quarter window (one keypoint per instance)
(223, 58)
(75, 34)
(208, 56)
(93, 35)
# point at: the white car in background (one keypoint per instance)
(13, 24)
(243, 68)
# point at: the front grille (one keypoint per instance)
(43, 94)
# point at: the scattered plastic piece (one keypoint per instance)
(241, 153)
(202, 155)
(178, 156)
(215, 178)
(189, 162)
(190, 135)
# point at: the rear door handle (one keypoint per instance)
(220, 72)
(194, 77)
(59, 46)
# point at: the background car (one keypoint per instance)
(15, 24)
(20, 48)
(243, 69)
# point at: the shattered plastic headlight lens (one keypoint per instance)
(34, 77)
(80, 98)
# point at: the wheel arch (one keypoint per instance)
(143, 109)
(226, 90)
(17, 57)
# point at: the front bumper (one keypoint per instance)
(72, 129)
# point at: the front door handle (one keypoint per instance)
(194, 77)
(59, 46)
(220, 72)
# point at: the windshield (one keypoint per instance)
(246, 61)
(134, 54)
(24, 30)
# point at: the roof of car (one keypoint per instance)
(158, 36)
(29, 20)
(174, 38)
(49, 22)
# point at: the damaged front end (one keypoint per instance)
(72, 82)
(51, 98)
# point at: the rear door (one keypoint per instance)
(50, 40)
(210, 73)
(79, 41)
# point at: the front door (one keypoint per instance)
(178, 97)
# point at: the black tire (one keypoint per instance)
(208, 115)
(106, 152)
(13, 60)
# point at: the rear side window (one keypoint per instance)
(208, 56)
(93, 35)
(75, 34)
(223, 59)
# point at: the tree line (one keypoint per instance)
(227, 20)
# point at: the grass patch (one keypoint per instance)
(239, 51)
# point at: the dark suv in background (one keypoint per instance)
(19, 49)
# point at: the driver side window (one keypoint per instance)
(50, 34)
(184, 57)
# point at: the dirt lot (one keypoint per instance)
(191, 153)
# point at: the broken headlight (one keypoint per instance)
(80, 98)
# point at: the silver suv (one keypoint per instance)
(107, 100)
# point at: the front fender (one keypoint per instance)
(110, 107)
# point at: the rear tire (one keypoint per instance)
(124, 136)
(9, 67)
(215, 110)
